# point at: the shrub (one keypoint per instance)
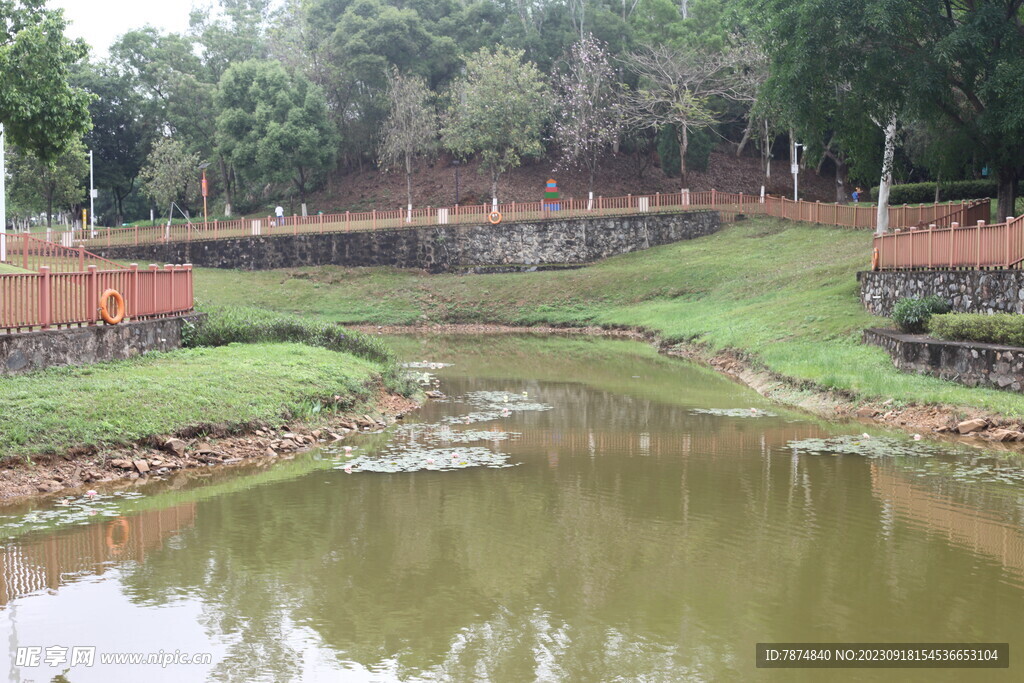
(912, 315)
(239, 324)
(924, 193)
(999, 328)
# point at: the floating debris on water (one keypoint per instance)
(733, 412)
(864, 445)
(68, 511)
(433, 459)
(426, 365)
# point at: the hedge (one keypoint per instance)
(998, 328)
(924, 193)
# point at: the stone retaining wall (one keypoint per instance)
(969, 291)
(29, 351)
(441, 248)
(969, 363)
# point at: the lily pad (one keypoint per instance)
(434, 459)
(733, 412)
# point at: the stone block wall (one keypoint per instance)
(442, 248)
(969, 291)
(970, 363)
(29, 351)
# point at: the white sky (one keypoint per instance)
(100, 22)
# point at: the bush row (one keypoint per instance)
(224, 325)
(912, 315)
(998, 328)
(924, 193)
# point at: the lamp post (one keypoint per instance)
(202, 167)
(456, 164)
(794, 168)
(92, 198)
(3, 198)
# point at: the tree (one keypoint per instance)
(48, 184)
(274, 127)
(498, 110)
(123, 130)
(170, 174)
(411, 127)
(587, 121)
(675, 89)
(41, 111)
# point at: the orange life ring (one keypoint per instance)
(105, 312)
(494, 217)
(115, 545)
(874, 259)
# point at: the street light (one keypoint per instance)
(794, 168)
(203, 167)
(92, 197)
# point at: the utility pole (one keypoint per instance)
(794, 168)
(3, 197)
(92, 196)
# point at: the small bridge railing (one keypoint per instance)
(44, 300)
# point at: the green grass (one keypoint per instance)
(4, 268)
(121, 401)
(783, 293)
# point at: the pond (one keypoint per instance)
(576, 509)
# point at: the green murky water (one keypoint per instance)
(577, 510)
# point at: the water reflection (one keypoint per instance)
(635, 539)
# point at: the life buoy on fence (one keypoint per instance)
(874, 259)
(105, 311)
(494, 217)
(117, 545)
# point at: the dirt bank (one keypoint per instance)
(159, 455)
(938, 420)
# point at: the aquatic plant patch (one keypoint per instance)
(65, 512)
(733, 412)
(394, 459)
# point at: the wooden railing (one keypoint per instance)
(30, 301)
(728, 203)
(31, 253)
(982, 245)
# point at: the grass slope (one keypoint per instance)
(122, 401)
(785, 293)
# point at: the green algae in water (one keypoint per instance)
(868, 447)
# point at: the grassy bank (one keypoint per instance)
(783, 293)
(122, 401)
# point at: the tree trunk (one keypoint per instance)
(745, 140)
(1006, 179)
(49, 209)
(226, 176)
(842, 175)
(684, 142)
(882, 220)
(408, 178)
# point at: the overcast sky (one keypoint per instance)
(100, 22)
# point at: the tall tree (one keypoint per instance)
(170, 174)
(587, 121)
(411, 128)
(675, 89)
(498, 110)
(49, 184)
(273, 126)
(41, 110)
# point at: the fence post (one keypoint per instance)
(44, 297)
(375, 219)
(170, 269)
(153, 268)
(712, 196)
(92, 294)
(931, 232)
(131, 306)
(214, 228)
(977, 244)
(295, 224)
(952, 241)
(347, 226)
(108, 235)
(81, 257)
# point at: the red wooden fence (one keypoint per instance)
(45, 299)
(728, 203)
(996, 245)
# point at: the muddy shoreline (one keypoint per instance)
(937, 420)
(82, 468)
